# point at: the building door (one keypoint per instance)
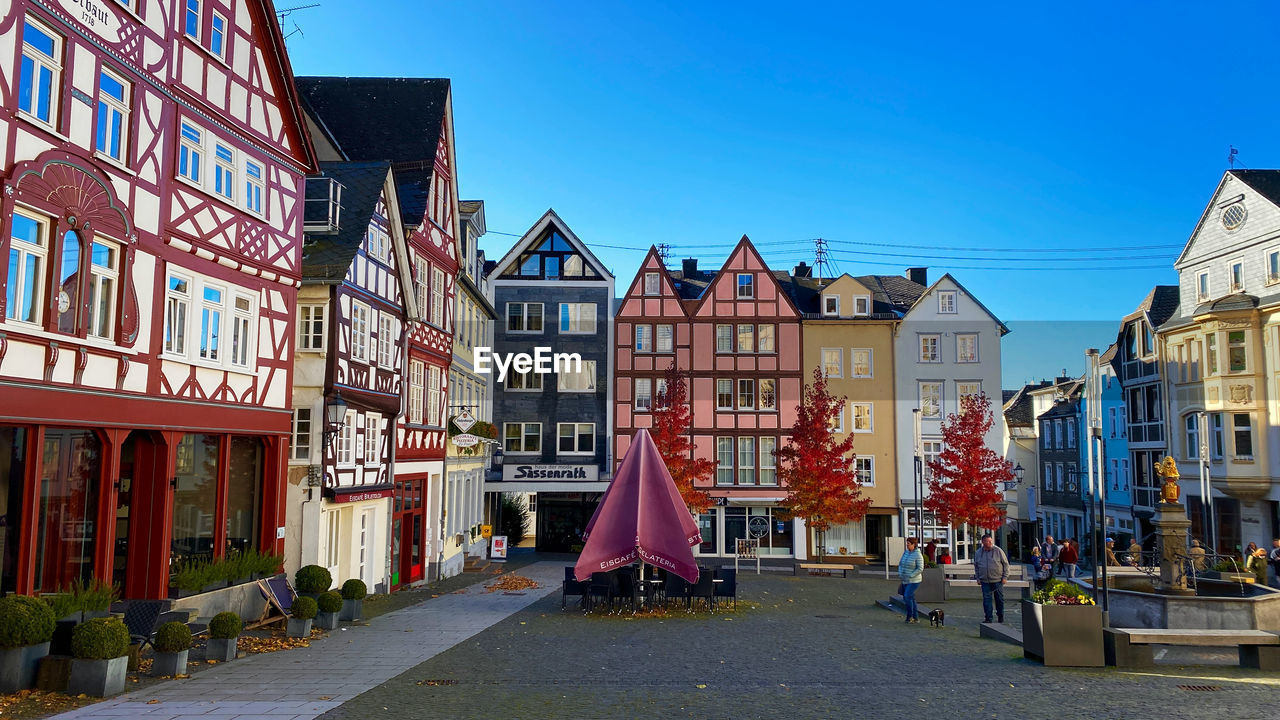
(13, 455)
(408, 532)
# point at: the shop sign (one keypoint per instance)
(464, 420)
(758, 526)
(362, 496)
(96, 15)
(499, 548)
(551, 473)
(486, 531)
(465, 440)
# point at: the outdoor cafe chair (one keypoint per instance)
(628, 590)
(704, 589)
(602, 585)
(675, 588)
(728, 585)
(572, 586)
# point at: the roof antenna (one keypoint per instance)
(282, 15)
(1232, 152)
(664, 252)
(822, 260)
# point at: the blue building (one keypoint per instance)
(1115, 454)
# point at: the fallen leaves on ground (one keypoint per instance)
(512, 582)
(435, 683)
(275, 643)
(36, 703)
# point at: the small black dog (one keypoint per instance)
(938, 618)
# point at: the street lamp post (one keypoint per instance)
(919, 476)
(1206, 485)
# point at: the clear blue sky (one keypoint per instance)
(935, 125)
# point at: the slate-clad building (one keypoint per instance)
(550, 291)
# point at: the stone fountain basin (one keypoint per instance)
(1218, 606)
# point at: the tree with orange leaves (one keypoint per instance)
(670, 432)
(966, 480)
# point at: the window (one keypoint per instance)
(584, 380)
(433, 396)
(966, 389)
(746, 394)
(376, 242)
(522, 437)
(1071, 434)
(1202, 286)
(217, 36)
(1243, 436)
(746, 338)
(764, 339)
(253, 187)
(864, 471)
(664, 342)
(1211, 352)
(644, 394)
(113, 116)
(577, 438)
(1048, 476)
(768, 394)
(104, 273)
(191, 20)
(1111, 421)
(746, 285)
(372, 438)
(724, 394)
(832, 362)
(1236, 358)
(836, 424)
(224, 171)
(1218, 447)
(386, 340)
(768, 462)
(28, 257)
(644, 338)
(860, 363)
(929, 349)
(578, 318)
(660, 395)
(177, 310)
(359, 331)
(241, 335)
(1060, 474)
(652, 285)
(437, 300)
(860, 414)
(39, 83)
(416, 371)
(966, 348)
(210, 321)
(1073, 478)
(831, 305)
(422, 284)
(861, 305)
(524, 317)
(1237, 275)
(932, 450)
(1273, 266)
(190, 151)
(746, 461)
(301, 434)
(1193, 437)
(724, 461)
(947, 301)
(724, 338)
(311, 327)
(347, 439)
(524, 381)
(1057, 434)
(931, 400)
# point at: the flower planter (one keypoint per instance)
(214, 586)
(352, 610)
(299, 628)
(18, 667)
(220, 650)
(327, 620)
(1062, 635)
(169, 663)
(98, 678)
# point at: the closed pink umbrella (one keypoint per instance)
(641, 515)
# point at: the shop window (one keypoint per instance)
(68, 507)
(244, 479)
(195, 498)
(13, 472)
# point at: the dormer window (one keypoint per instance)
(551, 259)
(651, 285)
(831, 305)
(746, 286)
(1237, 275)
(947, 301)
(862, 305)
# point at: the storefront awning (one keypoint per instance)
(537, 486)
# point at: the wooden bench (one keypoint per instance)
(962, 576)
(821, 569)
(1132, 647)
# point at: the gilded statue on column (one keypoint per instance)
(1168, 469)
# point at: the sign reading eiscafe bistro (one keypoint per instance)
(550, 473)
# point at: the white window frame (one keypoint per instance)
(1235, 267)
(372, 438)
(191, 152)
(104, 284)
(869, 472)
(300, 439)
(577, 318)
(113, 114)
(726, 339)
(765, 339)
(837, 422)
(644, 338)
(576, 435)
(839, 362)
(221, 35)
(437, 298)
(853, 364)
(191, 10)
(719, 393)
(417, 390)
(244, 308)
(725, 447)
(360, 331)
(211, 330)
(947, 301)
(652, 284)
(433, 410)
(583, 381)
(524, 382)
(861, 305)
(20, 252)
(664, 338)
(236, 326)
(750, 331)
(309, 338)
(831, 306)
(386, 340)
(749, 286)
(345, 453)
(868, 415)
(1191, 425)
(422, 284)
(772, 396)
(177, 313)
(524, 436)
(1236, 429)
(255, 186)
(224, 171)
(376, 242)
(524, 318)
(746, 452)
(1203, 288)
(961, 357)
(644, 394)
(41, 61)
(1271, 265)
(768, 470)
(745, 393)
(924, 340)
(920, 390)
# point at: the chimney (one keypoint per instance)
(689, 266)
(803, 270)
(919, 275)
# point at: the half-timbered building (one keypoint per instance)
(409, 123)
(151, 157)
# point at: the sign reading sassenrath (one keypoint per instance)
(552, 473)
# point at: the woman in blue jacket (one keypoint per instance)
(911, 572)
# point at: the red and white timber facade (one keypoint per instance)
(151, 158)
(737, 337)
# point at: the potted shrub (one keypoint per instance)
(329, 604)
(303, 611)
(311, 580)
(267, 565)
(74, 605)
(26, 627)
(99, 647)
(190, 579)
(224, 628)
(172, 644)
(353, 592)
(1061, 626)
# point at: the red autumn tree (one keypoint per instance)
(670, 432)
(822, 487)
(965, 483)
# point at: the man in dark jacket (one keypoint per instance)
(1273, 557)
(1049, 551)
(991, 569)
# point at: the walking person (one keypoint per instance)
(911, 573)
(1049, 551)
(991, 569)
(1257, 564)
(1274, 559)
(1070, 556)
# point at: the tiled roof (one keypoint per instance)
(1265, 182)
(891, 295)
(693, 285)
(325, 258)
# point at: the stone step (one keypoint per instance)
(1004, 632)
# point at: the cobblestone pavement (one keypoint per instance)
(798, 648)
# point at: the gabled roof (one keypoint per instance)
(652, 262)
(1160, 304)
(891, 295)
(1019, 409)
(326, 258)
(1004, 330)
(534, 233)
(744, 245)
(1264, 182)
(691, 286)
(395, 119)
(266, 18)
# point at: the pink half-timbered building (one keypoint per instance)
(151, 155)
(736, 335)
(409, 122)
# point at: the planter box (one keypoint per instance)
(169, 663)
(352, 610)
(135, 657)
(220, 650)
(933, 586)
(1062, 635)
(299, 628)
(61, 643)
(98, 678)
(18, 667)
(53, 674)
(327, 621)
